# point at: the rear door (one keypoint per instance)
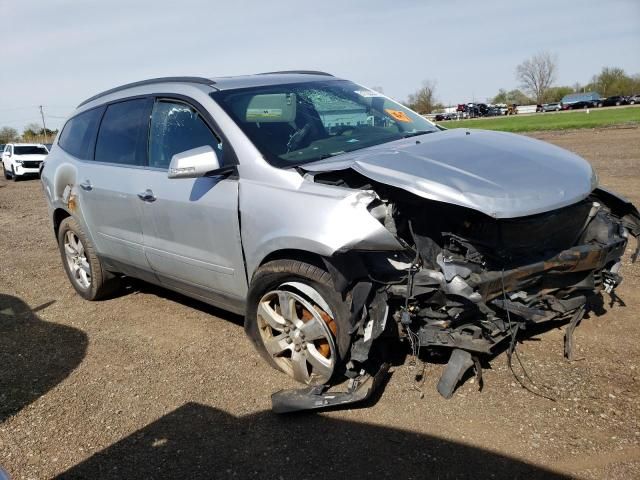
(190, 226)
(111, 185)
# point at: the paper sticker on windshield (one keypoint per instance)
(367, 93)
(398, 115)
(262, 113)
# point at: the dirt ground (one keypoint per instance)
(154, 385)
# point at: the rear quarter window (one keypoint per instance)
(79, 133)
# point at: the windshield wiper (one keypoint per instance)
(329, 155)
(419, 132)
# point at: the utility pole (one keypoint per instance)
(44, 126)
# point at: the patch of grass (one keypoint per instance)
(601, 117)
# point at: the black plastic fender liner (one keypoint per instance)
(459, 362)
(345, 268)
(568, 334)
(316, 398)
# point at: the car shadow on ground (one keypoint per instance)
(130, 285)
(197, 441)
(34, 355)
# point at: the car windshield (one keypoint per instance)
(29, 150)
(299, 123)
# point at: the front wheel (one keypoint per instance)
(7, 175)
(82, 264)
(297, 321)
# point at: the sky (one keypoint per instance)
(56, 53)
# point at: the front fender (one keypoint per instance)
(313, 218)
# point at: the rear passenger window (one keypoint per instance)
(176, 127)
(79, 133)
(123, 133)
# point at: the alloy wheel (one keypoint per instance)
(299, 335)
(79, 267)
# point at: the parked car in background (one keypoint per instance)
(633, 99)
(251, 193)
(502, 107)
(615, 100)
(445, 116)
(552, 107)
(581, 100)
(23, 159)
(475, 110)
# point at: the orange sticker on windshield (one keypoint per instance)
(398, 115)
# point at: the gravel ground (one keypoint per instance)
(152, 384)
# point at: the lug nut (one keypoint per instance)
(297, 348)
(304, 346)
(289, 340)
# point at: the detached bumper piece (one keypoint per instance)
(318, 397)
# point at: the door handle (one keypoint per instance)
(86, 185)
(147, 196)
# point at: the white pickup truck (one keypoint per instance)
(22, 159)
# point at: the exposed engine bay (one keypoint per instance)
(466, 282)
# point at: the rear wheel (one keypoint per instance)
(81, 263)
(297, 321)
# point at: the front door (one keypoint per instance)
(190, 226)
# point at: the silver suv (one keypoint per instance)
(331, 217)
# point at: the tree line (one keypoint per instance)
(32, 133)
(536, 76)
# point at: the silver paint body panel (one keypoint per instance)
(500, 174)
(206, 237)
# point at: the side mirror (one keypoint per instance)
(193, 163)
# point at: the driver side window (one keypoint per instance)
(177, 127)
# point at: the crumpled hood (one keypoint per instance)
(500, 174)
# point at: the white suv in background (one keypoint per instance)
(23, 159)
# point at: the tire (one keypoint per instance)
(13, 175)
(317, 358)
(7, 175)
(100, 282)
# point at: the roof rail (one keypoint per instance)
(301, 72)
(201, 80)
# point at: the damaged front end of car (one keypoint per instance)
(468, 282)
